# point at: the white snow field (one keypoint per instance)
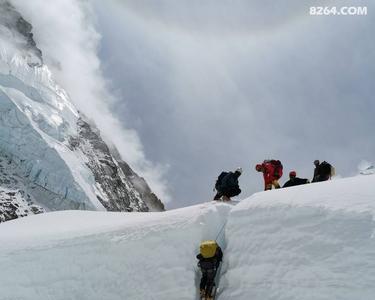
(306, 242)
(313, 242)
(99, 255)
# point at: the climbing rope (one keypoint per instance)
(221, 230)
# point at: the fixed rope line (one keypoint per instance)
(221, 230)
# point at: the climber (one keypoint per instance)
(323, 171)
(272, 171)
(294, 180)
(209, 258)
(227, 185)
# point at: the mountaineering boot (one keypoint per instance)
(202, 293)
(225, 198)
(213, 293)
(217, 197)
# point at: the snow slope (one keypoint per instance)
(96, 255)
(307, 242)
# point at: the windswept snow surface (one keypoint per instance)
(98, 255)
(307, 242)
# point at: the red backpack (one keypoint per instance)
(278, 167)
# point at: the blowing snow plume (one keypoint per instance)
(66, 35)
(51, 157)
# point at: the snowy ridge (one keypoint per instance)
(313, 241)
(366, 168)
(348, 194)
(98, 255)
(306, 242)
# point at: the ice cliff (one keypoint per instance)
(51, 156)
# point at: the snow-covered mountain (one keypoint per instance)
(366, 168)
(309, 242)
(51, 156)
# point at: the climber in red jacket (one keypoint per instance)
(272, 171)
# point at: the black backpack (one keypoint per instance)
(208, 263)
(219, 180)
(325, 169)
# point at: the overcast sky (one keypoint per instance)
(188, 88)
(213, 85)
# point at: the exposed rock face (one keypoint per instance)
(15, 200)
(121, 195)
(16, 27)
(140, 184)
(50, 157)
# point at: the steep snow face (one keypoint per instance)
(96, 255)
(309, 242)
(35, 119)
(60, 161)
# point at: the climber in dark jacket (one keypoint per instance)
(294, 180)
(209, 268)
(227, 185)
(323, 171)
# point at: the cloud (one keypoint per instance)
(214, 85)
(64, 30)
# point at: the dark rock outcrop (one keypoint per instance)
(122, 188)
(18, 26)
(140, 184)
(15, 200)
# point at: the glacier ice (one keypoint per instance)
(60, 159)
